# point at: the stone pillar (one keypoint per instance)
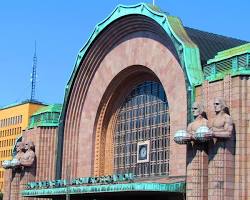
(12, 184)
(15, 185)
(197, 175)
(7, 184)
(28, 175)
(221, 169)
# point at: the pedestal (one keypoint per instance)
(197, 174)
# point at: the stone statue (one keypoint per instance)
(21, 169)
(15, 162)
(200, 119)
(197, 154)
(196, 130)
(221, 125)
(28, 157)
(25, 156)
(221, 152)
(20, 152)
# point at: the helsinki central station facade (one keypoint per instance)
(131, 90)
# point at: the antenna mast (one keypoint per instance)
(33, 76)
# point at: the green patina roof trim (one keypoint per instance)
(233, 62)
(220, 76)
(155, 8)
(173, 27)
(229, 53)
(191, 54)
(46, 117)
(152, 187)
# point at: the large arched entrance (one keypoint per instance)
(136, 115)
(141, 136)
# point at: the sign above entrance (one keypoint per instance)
(116, 178)
(152, 187)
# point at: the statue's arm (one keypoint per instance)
(226, 131)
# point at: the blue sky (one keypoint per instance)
(61, 28)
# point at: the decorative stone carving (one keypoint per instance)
(221, 154)
(197, 154)
(15, 162)
(200, 120)
(197, 129)
(222, 124)
(20, 152)
(28, 157)
(24, 158)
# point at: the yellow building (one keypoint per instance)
(13, 120)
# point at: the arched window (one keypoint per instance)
(141, 139)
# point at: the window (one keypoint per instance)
(143, 117)
(21, 119)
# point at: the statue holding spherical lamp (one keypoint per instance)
(221, 151)
(197, 152)
(196, 130)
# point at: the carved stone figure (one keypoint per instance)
(221, 153)
(196, 130)
(199, 120)
(28, 162)
(28, 157)
(15, 162)
(222, 124)
(197, 155)
(15, 171)
(25, 156)
(20, 152)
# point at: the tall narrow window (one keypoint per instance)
(143, 119)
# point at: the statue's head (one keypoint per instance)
(20, 146)
(29, 145)
(219, 104)
(197, 109)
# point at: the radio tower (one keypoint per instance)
(33, 76)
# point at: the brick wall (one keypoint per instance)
(230, 163)
(44, 169)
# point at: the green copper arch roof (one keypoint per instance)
(188, 51)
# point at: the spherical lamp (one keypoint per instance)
(181, 137)
(200, 134)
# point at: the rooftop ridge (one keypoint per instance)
(21, 103)
(211, 43)
(216, 34)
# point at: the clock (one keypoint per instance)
(143, 151)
